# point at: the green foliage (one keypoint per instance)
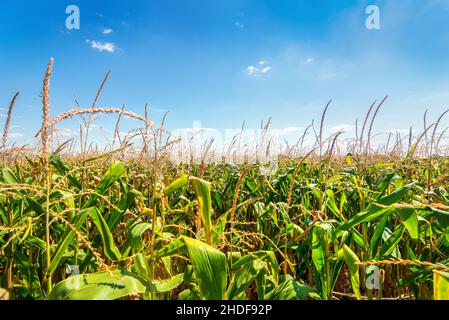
(133, 235)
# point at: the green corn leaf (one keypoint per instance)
(290, 289)
(176, 185)
(377, 236)
(410, 220)
(63, 170)
(391, 243)
(267, 257)
(285, 291)
(351, 259)
(386, 182)
(319, 257)
(209, 266)
(125, 202)
(114, 172)
(244, 277)
(110, 249)
(203, 194)
(442, 217)
(9, 177)
(136, 235)
(109, 286)
(67, 238)
(172, 248)
(440, 285)
(141, 265)
(304, 291)
(373, 211)
(332, 205)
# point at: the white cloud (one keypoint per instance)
(394, 131)
(262, 68)
(102, 46)
(266, 70)
(342, 128)
(283, 132)
(251, 70)
(288, 130)
(107, 31)
(310, 60)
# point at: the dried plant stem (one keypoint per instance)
(116, 131)
(410, 136)
(425, 130)
(94, 105)
(8, 122)
(432, 140)
(364, 124)
(321, 126)
(440, 137)
(368, 145)
(76, 112)
(413, 149)
(404, 262)
(46, 111)
(45, 149)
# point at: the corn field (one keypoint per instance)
(337, 220)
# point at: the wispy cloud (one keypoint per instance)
(309, 60)
(261, 68)
(251, 70)
(286, 131)
(266, 70)
(342, 128)
(102, 46)
(107, 31)
(395, 131)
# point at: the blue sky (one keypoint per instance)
(223, 62)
